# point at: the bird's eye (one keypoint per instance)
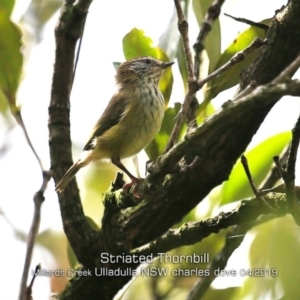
(147, 61)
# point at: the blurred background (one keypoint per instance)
(274, 244)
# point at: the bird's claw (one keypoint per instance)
(135, 183)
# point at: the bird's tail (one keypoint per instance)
(68, 177)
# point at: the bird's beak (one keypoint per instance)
(165, 65)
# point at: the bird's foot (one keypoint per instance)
(135, 182)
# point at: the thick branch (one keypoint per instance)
(236, 111)
(193, 232)
(184, 189)
(283, 36)
(68, 31)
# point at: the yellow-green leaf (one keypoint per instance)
(216, 294)
(3, 103)
(11, 59)
(231, 76)
(6, 6)
(260, 160)
(204, 114)
(274, 254)
(136, 44)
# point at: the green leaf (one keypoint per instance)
(230, 77)
(275, 247)
(6, 6)
(11, 59)
(156, 147)
(213, 40)
(136, 44)
(260, 160)
(216, 294)
(3, 103)
(166, 81)
(203, 115)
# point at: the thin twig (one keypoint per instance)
(183, 28)
(278, 165)
(29, 289)
(288, 72)
(20, 121)
(77, 55)
(244, 162)
(290, 169)
(249, 22)
(212, 14)
(195, 86)
(288, 174)
(239, 56)
(38, 201)
(274, 175)
(192, 83)
(25, 292)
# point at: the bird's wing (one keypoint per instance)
(110, 117)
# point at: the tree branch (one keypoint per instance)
(274, 175)
(249, 22)
(260, 97)
(211, 16)
(25, 292)
(238, 57)
(193, 232)
(288, 174)
(68, 31)
(192, 83)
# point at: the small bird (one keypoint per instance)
(130, 121)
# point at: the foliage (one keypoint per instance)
(10, 60)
